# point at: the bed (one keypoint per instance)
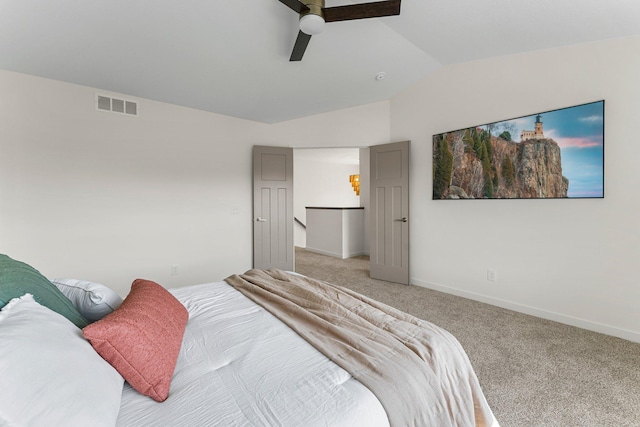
(236, 362)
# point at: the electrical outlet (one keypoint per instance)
(174, 270)
(492, 275)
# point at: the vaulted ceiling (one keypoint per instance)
(232, 57)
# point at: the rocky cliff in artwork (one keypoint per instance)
(472, 164)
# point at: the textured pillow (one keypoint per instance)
(50, 374)
(142, 338)
(92, 300)
(17, 279)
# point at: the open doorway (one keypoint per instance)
(386, 181)
(321, 177)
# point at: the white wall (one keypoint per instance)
(336, 232)
(109, 198)
(569, 260)
(321, 179)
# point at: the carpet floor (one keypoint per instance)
(534, 372)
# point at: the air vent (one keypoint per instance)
(115, 105)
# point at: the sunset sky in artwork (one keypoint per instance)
(579, 131)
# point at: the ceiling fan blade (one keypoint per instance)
(301, 45)
(295, 5)
(363, 10)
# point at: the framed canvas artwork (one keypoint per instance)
(549, 155)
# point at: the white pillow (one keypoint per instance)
(92, 300)
(51, 376)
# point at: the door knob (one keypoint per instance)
(403, 219)
(261, 219)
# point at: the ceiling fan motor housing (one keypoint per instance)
(312, 21)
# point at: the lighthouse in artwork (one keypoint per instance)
(537, 133)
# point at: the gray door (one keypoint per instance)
(273, 208)
(389, 216)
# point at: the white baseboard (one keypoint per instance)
(323, 252)
(533, 311)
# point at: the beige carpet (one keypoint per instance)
(534, 372)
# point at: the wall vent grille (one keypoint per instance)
(116, 105)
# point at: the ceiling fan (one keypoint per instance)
(313, 15)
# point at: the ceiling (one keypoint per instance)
(232, 57)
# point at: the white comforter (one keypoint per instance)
(240, 366)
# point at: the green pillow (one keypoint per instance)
(17, 279)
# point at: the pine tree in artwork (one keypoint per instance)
(477, 143)
(508, 174)
(486, 166)
(443, 168)
(468, 141)
(486, 138)
(506, 135)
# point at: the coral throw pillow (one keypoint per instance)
(142, 338)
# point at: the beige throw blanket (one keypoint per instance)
(418, 371)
